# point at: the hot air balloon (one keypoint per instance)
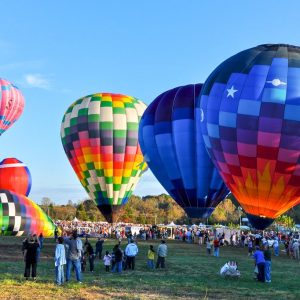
(251, 128)
(99, 134)
(15, 176)
(11, 104)
(171, 141)
(19, 215)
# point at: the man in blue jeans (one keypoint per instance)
(118, 258)
(74, 252)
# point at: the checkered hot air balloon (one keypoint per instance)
(171, 141)
(251, 128)
(15, 176)
(19, 215)
(11, 104)
(99, 134)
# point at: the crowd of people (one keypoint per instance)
(75, 254)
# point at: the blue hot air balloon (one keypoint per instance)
(171, 142)
(251, 127)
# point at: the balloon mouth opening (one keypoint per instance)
(260, 222)
(199, 212)
(110, 212)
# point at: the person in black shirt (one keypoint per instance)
(99, 248)
(30, 256)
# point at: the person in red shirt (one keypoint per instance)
(216, 247)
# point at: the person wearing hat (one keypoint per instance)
(162, 252)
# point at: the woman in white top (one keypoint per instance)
(60, 261)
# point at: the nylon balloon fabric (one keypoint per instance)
(11, 104)
(15, 176)
(99, 134)
(172, 144)
(251, 128)
(21, 216)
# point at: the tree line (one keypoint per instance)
(155, 210)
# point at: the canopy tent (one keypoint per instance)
(172, 225)
(75, 220)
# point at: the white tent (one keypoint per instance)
(172, 225)
(75, 220)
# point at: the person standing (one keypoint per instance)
(99, 248)
(162, 252)
(89, 253)
(60, 261)
(216, 247)
(107, 261)
(276, 246)
(267, 256)
(208, 246)
(74, 253)
(118, 259)
(296, 249)
(150, 256)
(260, 263)
(131, 251)
(30, 256)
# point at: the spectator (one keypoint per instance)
(107, 261)
(131, 251)
(208, 246)
(276, 247)
(60, 261)
(74, 254)
(39, 249)
(99, 247)
(267, 256)
(260, 263)
(118, 259)
(162, 252)
(216, 247)
(89, 253)
(151, 254)
(30, 256)
(296, 249)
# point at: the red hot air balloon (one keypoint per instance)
(15, 176)
(11, 104)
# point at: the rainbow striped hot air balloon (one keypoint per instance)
(15, 176)
(19, 215)
(11, 104)
(99, 134)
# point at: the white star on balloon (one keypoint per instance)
(231, 92)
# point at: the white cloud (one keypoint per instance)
(37, 81)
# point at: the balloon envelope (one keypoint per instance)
(172, 144)
(19, 215)
(15, 176)
(100, 137)
(11, 104)
(251, 128)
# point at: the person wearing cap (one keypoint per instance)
(162, 252)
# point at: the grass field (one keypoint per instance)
(190, 274)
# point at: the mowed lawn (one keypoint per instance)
(190, 274)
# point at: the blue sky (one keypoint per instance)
(59, 51)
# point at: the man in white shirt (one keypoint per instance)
(131, 251)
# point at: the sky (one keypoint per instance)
(59, 51)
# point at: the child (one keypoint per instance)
(250, 247)
(60, 261)
(208, 246)
(107, 261)
(150, 257)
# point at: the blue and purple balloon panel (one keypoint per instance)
(172, 144)
(251, 128)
